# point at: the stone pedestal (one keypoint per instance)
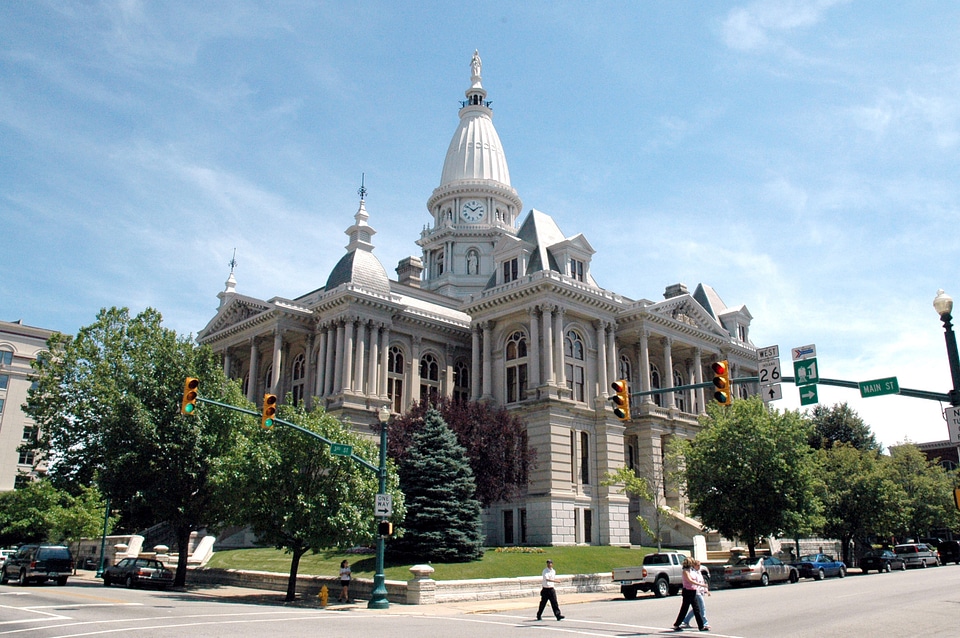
(421, 590)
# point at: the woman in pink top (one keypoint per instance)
(690, 585)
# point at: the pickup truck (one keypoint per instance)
(661, 573)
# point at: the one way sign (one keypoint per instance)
(771, 393)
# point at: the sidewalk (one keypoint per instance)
(251, 596)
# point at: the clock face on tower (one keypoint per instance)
(473, 210)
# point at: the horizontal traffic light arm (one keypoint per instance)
(692, 386)
(904, 392)
(357, 459)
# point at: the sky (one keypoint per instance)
(800, 156)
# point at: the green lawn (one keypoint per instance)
(494, 564)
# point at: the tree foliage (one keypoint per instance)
(297, 496)
(107, 403)
(639, 487)
(860, 494)
(39, 512)
(837, 425)
(495, 441)
(443, 513)
(748, 472)
(928, 488)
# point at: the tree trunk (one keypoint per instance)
(292, 580)
(183, 553)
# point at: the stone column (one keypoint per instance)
(534, 353)
(548, 366)
(599, 326)
(254, 371)
(413, 388)
(698, 378)
(321, 386)
(558, 338)
(384, 359)
(487, 360)
(338, 359)
(361, 356)
(667, 377)
(644, 347)
(311, 369)
(613, 361)
(277, 346)
(373, 389)
(475, 363)
(227, 363)
(348, 353)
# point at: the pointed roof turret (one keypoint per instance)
(359, 265)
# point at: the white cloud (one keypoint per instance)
(759, 24)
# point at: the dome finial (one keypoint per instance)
(476, 65)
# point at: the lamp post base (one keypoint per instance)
(378, 599)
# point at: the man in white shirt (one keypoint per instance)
(548, 592)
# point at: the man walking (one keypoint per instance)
(548, 592)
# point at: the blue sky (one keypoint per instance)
(801, 157)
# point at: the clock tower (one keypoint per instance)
(474, 205)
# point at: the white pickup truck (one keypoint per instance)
(661, 573)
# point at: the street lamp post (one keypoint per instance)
(378, 598)
(943, 304)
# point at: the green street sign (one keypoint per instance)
(808, 395)
(879, 387)
(805, 372)
(341, 449)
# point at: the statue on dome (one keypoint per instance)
(475, 65)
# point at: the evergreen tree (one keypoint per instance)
(443, 513)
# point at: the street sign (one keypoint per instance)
(769, 371)
(384, 505)
(808, 395)
(952, 415)
(341, 449)
(804, 352)
(770, 352)
(805, 372)
(772, 393)
(879, 387)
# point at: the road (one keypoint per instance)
(914, 603)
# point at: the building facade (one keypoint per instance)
(19, 345)
(500, 306)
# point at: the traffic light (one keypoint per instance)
(621, 400)
(385, 528)
(189, 403)
(269, 411)
(721, 381)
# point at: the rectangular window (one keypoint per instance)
(523, 526)
(29, 433)
(6, 357)
(573, 456)
(508, 527)
(585, 458)
(575, 381)
(1, 406)
(588, 526)
(511, 270)
(576, 269)
(4, 381)
(26, 457)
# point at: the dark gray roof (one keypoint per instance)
(361, 268)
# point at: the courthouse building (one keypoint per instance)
(19, 345)
(499, 305)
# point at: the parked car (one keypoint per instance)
(881, 560)
(134, 572)
(4, 553)
(660, 573)
(38, 563)
(949, 552)
(917, 554)
(760, 570)
(819, 566)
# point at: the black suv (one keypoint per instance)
(949, 552)
(38, 563)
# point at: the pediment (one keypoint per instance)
(684, 309)
(235, 311)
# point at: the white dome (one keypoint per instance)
(475, 151)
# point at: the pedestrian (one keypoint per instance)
(689, 597)
(703, 589)
(548, 592)
(344, 582)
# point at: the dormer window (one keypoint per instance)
(576, 269)
(511, 270)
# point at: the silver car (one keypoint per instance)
(761, 570)
(917, 554)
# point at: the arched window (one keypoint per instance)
(461, 381)
(655, 384)
(299, 378)
(573, 364)
(625, 369)
(516, 358)
(680, 397)
(429, 379)
(246, 383)
(6, 357)
(395, 378)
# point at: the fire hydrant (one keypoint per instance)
(323, 595)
